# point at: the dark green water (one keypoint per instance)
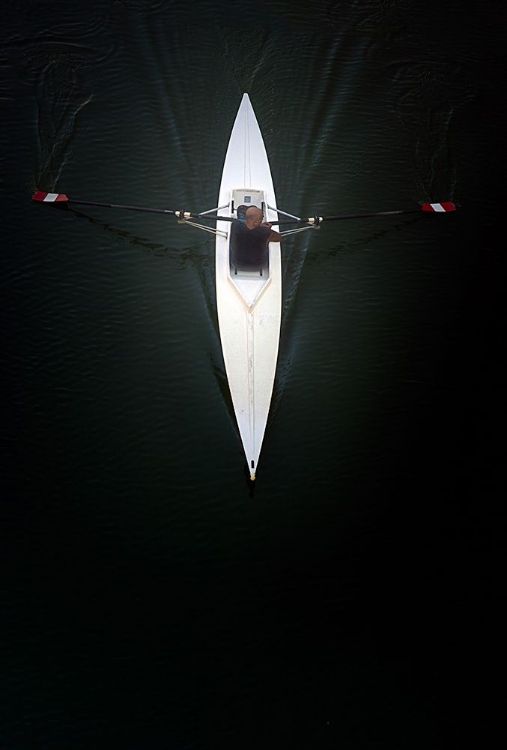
(152, 598)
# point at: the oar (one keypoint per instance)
(427, 207)
(61, 199)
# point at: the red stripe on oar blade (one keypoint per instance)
(439, 207)
(49, 197)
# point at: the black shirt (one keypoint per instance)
(249, 249)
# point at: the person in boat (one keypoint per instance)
(250, 239)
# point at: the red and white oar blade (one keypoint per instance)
(41, 197)
(439, 207)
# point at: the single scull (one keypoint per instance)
(248, 301)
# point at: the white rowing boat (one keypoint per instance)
(249, 302)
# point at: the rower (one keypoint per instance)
(250, 239)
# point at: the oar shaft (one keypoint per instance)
(118, 205)
(60, 199)
(180, 214)
(319, 219)
(375, 213)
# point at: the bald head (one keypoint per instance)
(254, 216)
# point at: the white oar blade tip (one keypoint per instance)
(40, 197)
(444, 207)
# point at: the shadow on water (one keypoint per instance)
(294, 253)
(361, 243)
(156, 249)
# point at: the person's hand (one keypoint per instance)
(267, 224)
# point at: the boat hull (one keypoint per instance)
(249, 304)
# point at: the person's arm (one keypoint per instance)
(274, 236)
